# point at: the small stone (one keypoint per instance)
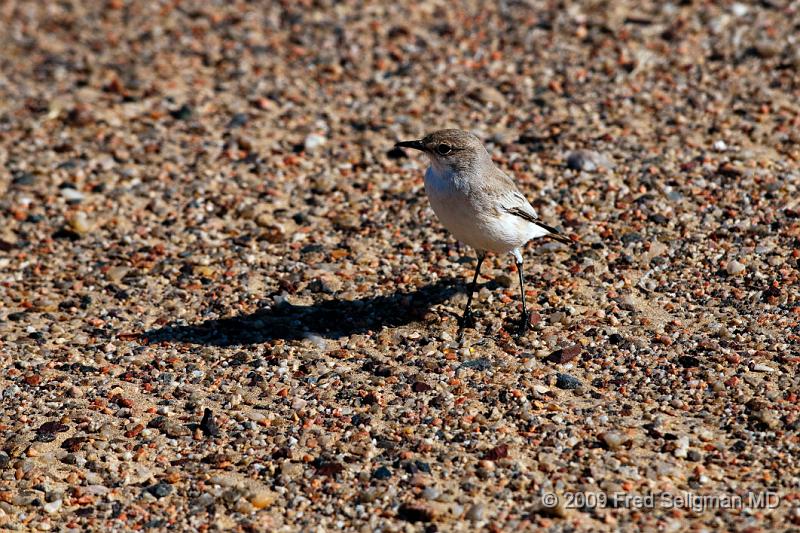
(382, 473)
(261, 499)
(209, 425)
(565, 355)
(480, 364)
(420, 387)
(739, 9)
(80, 223)
(52, 507)
(567, 382)
(720, 146)
(735, 268)
(682, 449)
(238, 120)
(761, 367)
(587, 161)
(72, 195)
(612, 439)
(476, 512)
(314, 141)
(159, 490)
(504, 280)
(498, 452)
(416, 512)
(431, 493)
(117, 273)
(184, 112)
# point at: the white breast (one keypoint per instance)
(471, 218)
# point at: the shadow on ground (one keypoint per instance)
(332, 319)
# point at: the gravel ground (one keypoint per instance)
(226, 304)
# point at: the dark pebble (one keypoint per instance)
(382, 473)
(53, 427)
(420, 386)
(688, 361)
(45, 437)
(73, 444)
(496, 453)
(160, 489)
(24, 178)
(238, 120)
(329, 469)
(632, 237)
(567, 382)
(184, 112)
(209, 425)
(564, 355)
(414, 513)
(65, 233)
(478, 364)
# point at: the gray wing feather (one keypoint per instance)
(525, 210)
(512, 201)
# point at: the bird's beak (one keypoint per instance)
(416, 145)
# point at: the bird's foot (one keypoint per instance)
(524, 324)
(467, 320)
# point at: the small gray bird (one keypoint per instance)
(480, 205)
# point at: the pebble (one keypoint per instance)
(382, 473)
(612, 439)
(314, 141)
(208, 424)
(587, 161)
(117, 273)
(79, 222)
(72, 195)
(735, 268)
(52, 507)
(159, 490)
(476, 512)
(567, 382)
(761, 367)
(682, 449)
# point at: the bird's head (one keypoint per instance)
(451, 150)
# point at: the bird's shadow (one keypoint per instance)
(329, 318)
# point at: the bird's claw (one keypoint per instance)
(467, 321)
(524, 325)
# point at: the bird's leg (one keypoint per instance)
(468, 309)
(525, 323)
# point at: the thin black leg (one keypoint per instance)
(472, 286)
(523, 327)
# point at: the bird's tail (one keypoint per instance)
(554, 233)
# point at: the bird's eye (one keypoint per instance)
(444, 149)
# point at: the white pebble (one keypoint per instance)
(735, 267)
(314, 141)
(52, 507)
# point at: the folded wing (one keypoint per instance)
(517, 205)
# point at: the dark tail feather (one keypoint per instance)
(554, 233)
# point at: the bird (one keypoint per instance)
(479, 204)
